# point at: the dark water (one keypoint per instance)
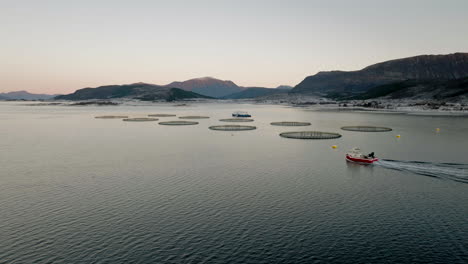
(75, 189)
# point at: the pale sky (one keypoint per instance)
(58, 46)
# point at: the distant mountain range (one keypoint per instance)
(425, 67)
(24, 95)
(140, 91)
(207, 86)
(224, 89)
(428, 76)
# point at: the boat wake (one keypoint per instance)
(449, 171)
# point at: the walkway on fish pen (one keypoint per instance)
(194, 117)
(310, 135)
(290, 123)
(232, 128)
(140, 119)
(366, 128)
(236, 120)
(178, 123)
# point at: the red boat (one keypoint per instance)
(355, 155)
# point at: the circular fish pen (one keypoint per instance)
(232, 128)
(140, 119)
(161, 115)
(366, 128)
(178, 123)
(236, 120)
(290, 123)
(194, 117)
(310, 135)
(110, 117)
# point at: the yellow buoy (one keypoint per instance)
(334, 146)
(398, 136)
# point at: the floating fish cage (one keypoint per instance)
(290, 123)
(232, 128)
(140, 119)
(366, 128)
(178, 123)
(236, 120)
(161, 115)
(194, 117)
(111, 117)
(310, 135)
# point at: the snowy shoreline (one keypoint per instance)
(412, 107)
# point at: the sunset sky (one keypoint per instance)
(59, 46)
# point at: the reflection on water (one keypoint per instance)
(355, 169)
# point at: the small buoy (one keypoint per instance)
(334, 147)
(398, 136)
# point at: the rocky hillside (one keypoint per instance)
(425, 67)
(140, 91)
(208, 86)
(253, 92)
(441, 90)
(284, 87)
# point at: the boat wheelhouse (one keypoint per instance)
(241, 114)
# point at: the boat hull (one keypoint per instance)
(236, 115)
(361, 160)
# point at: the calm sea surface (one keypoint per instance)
(75, 189)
